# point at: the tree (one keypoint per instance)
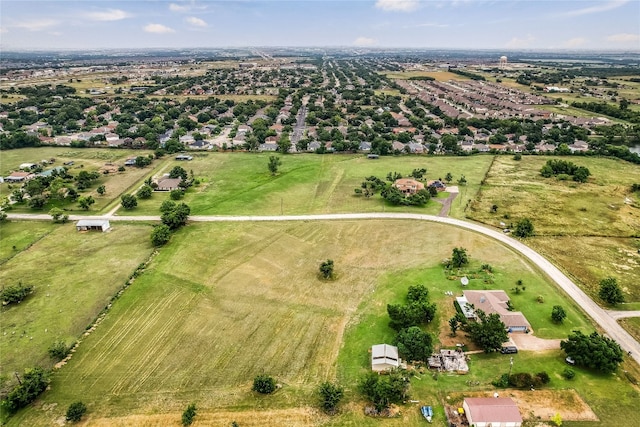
(189, 414)
(264, 384)
(58, 350)
(593, 351)
(101, 190)
(75, 411)
(610, 291)
(178, 172)
(459, 257)
(524, 228)
(86, 202)
(456, 322)
(160, 235)
(448, 177)
(330, 396)
(326, 269)
(462, 180)
(558, 314)
(176, 216)
(284, 143)
(15, 293)
(383, 390)
(128, 201)
(38, 202)
(176, 194)
(488, 333)
(33, 383)
(413, 314)
(414, 344)
(144, 192)
(58, 215)
(274, 164)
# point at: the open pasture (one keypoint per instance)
(224, 302)
(74, 275)
(240, 184)
(560, 208)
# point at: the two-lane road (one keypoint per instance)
(606, 320)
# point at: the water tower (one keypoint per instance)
(503, 62)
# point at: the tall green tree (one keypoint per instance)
(593, 351)
(610, 291)
(524, 228)
(274, 164)
(459, 257)
(414, 344)
(128, 201)
(489, 332)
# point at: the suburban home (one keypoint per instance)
(384, 357)
(408, 185)
(493, 302)
(19, 177)
(93, 225)
(492, 412)
(168, 184)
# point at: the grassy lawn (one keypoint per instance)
(84, 159)
(74, 275)
(240, 184)
(632, 325)
(560, 208)
(16, 236)
(252, 303)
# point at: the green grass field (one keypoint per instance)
(74, 275)
(240, 184)
(560, 208)
(224, 302)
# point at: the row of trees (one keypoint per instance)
(563, 167)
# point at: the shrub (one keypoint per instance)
(568, 373)
(189, 414)
(58, 350)
(264, 384)
(176, 194)
(330, 395)
(15, 294)
(75, 411)
(33, 383)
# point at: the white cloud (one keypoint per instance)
(3, 30)
(575, 42)
(173, 7)
(605, 6)
(36, 25)
(108, 15)
(624, 38)
(364, 41)
(433, 24)
(196, 22)
(518, 42)
(158, 29)
(398, 5)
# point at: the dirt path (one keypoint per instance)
(446, 204)
(531, 342)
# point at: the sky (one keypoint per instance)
(433, 24)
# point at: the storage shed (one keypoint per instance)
(93, 225)
(384, 357)
(492, 412)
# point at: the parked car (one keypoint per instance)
(570, 361)
(509, 349)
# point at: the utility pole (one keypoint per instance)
(510, 365)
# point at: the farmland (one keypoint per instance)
(234, 300)
(74, 275)
(240, 184)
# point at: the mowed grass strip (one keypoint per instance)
(632, 325)
(16, 236)
(240, 184)
(565, 208)
(74, 275)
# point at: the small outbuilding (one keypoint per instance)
(93, 225)
(384, 357)
(184, 157)
(492, 412)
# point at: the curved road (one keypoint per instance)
(606, 321)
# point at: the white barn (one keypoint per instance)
(384, 357)
(93, 224)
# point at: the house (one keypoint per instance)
(184, 157)
(168, 184)
(19, 177)
(93, 225)
(492, 412)
(408, 185)
(384, 357)
(493, 302)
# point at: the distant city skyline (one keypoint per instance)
(437, 24)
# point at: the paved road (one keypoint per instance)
(606, 321)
